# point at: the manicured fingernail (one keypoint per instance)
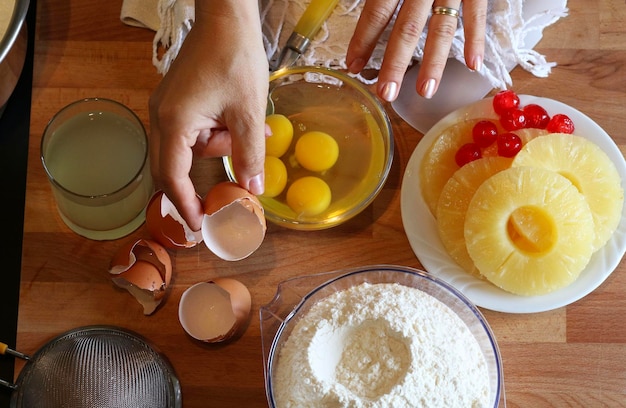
(256, 185)
(390, 91)
(268, 130)
(428, 89)
(356, 66)
(477, 63)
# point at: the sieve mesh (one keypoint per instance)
(97, 367)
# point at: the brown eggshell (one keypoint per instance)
(240, 297)
(215, 311)
(234, 223)
(145, 276)
(167, 226)
(144, 269)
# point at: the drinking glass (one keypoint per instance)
(95, 153)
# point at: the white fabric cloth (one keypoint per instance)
(141, 13)
(506, 32)
(171, 19)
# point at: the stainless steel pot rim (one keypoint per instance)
(13, 29)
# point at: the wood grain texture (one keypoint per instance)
(570, 357)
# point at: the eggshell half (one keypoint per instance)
(167, 226)
(234, 223)
(144, 269)
(215, 311)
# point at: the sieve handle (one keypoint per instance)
(8, 384)
(4, 350)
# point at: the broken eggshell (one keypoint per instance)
(144, 268)
(167, 226)
(215, 311)
(234, 222)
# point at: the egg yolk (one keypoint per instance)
(308, 196)
(275, 176)
(282, 133)
(317, 151)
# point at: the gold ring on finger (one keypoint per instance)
(446, 11)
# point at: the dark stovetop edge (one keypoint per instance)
(14, 135)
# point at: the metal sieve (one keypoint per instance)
(97, 367)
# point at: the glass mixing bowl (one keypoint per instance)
(329, 101)
(296, 296)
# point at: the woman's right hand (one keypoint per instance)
(212, 103)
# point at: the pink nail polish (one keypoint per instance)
(477, 64)
(390, 91)
(428, 89)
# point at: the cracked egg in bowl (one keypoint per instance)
(330, 151)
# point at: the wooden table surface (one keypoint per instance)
(574, 356)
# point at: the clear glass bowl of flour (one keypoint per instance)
(365, 352)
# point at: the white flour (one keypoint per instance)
(381, 345)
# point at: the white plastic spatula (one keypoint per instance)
(459, 85)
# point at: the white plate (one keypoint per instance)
(421, 228)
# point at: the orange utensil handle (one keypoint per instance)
(4, 349)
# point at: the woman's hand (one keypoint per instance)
(405, 34)
(212, 103)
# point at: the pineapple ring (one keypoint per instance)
(454, 200)
(588, 168)
(530, 263)
(438, 165)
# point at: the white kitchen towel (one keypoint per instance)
(141, 13)
(171, 19)
(507, 30)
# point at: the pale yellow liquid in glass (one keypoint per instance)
(99, 159)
